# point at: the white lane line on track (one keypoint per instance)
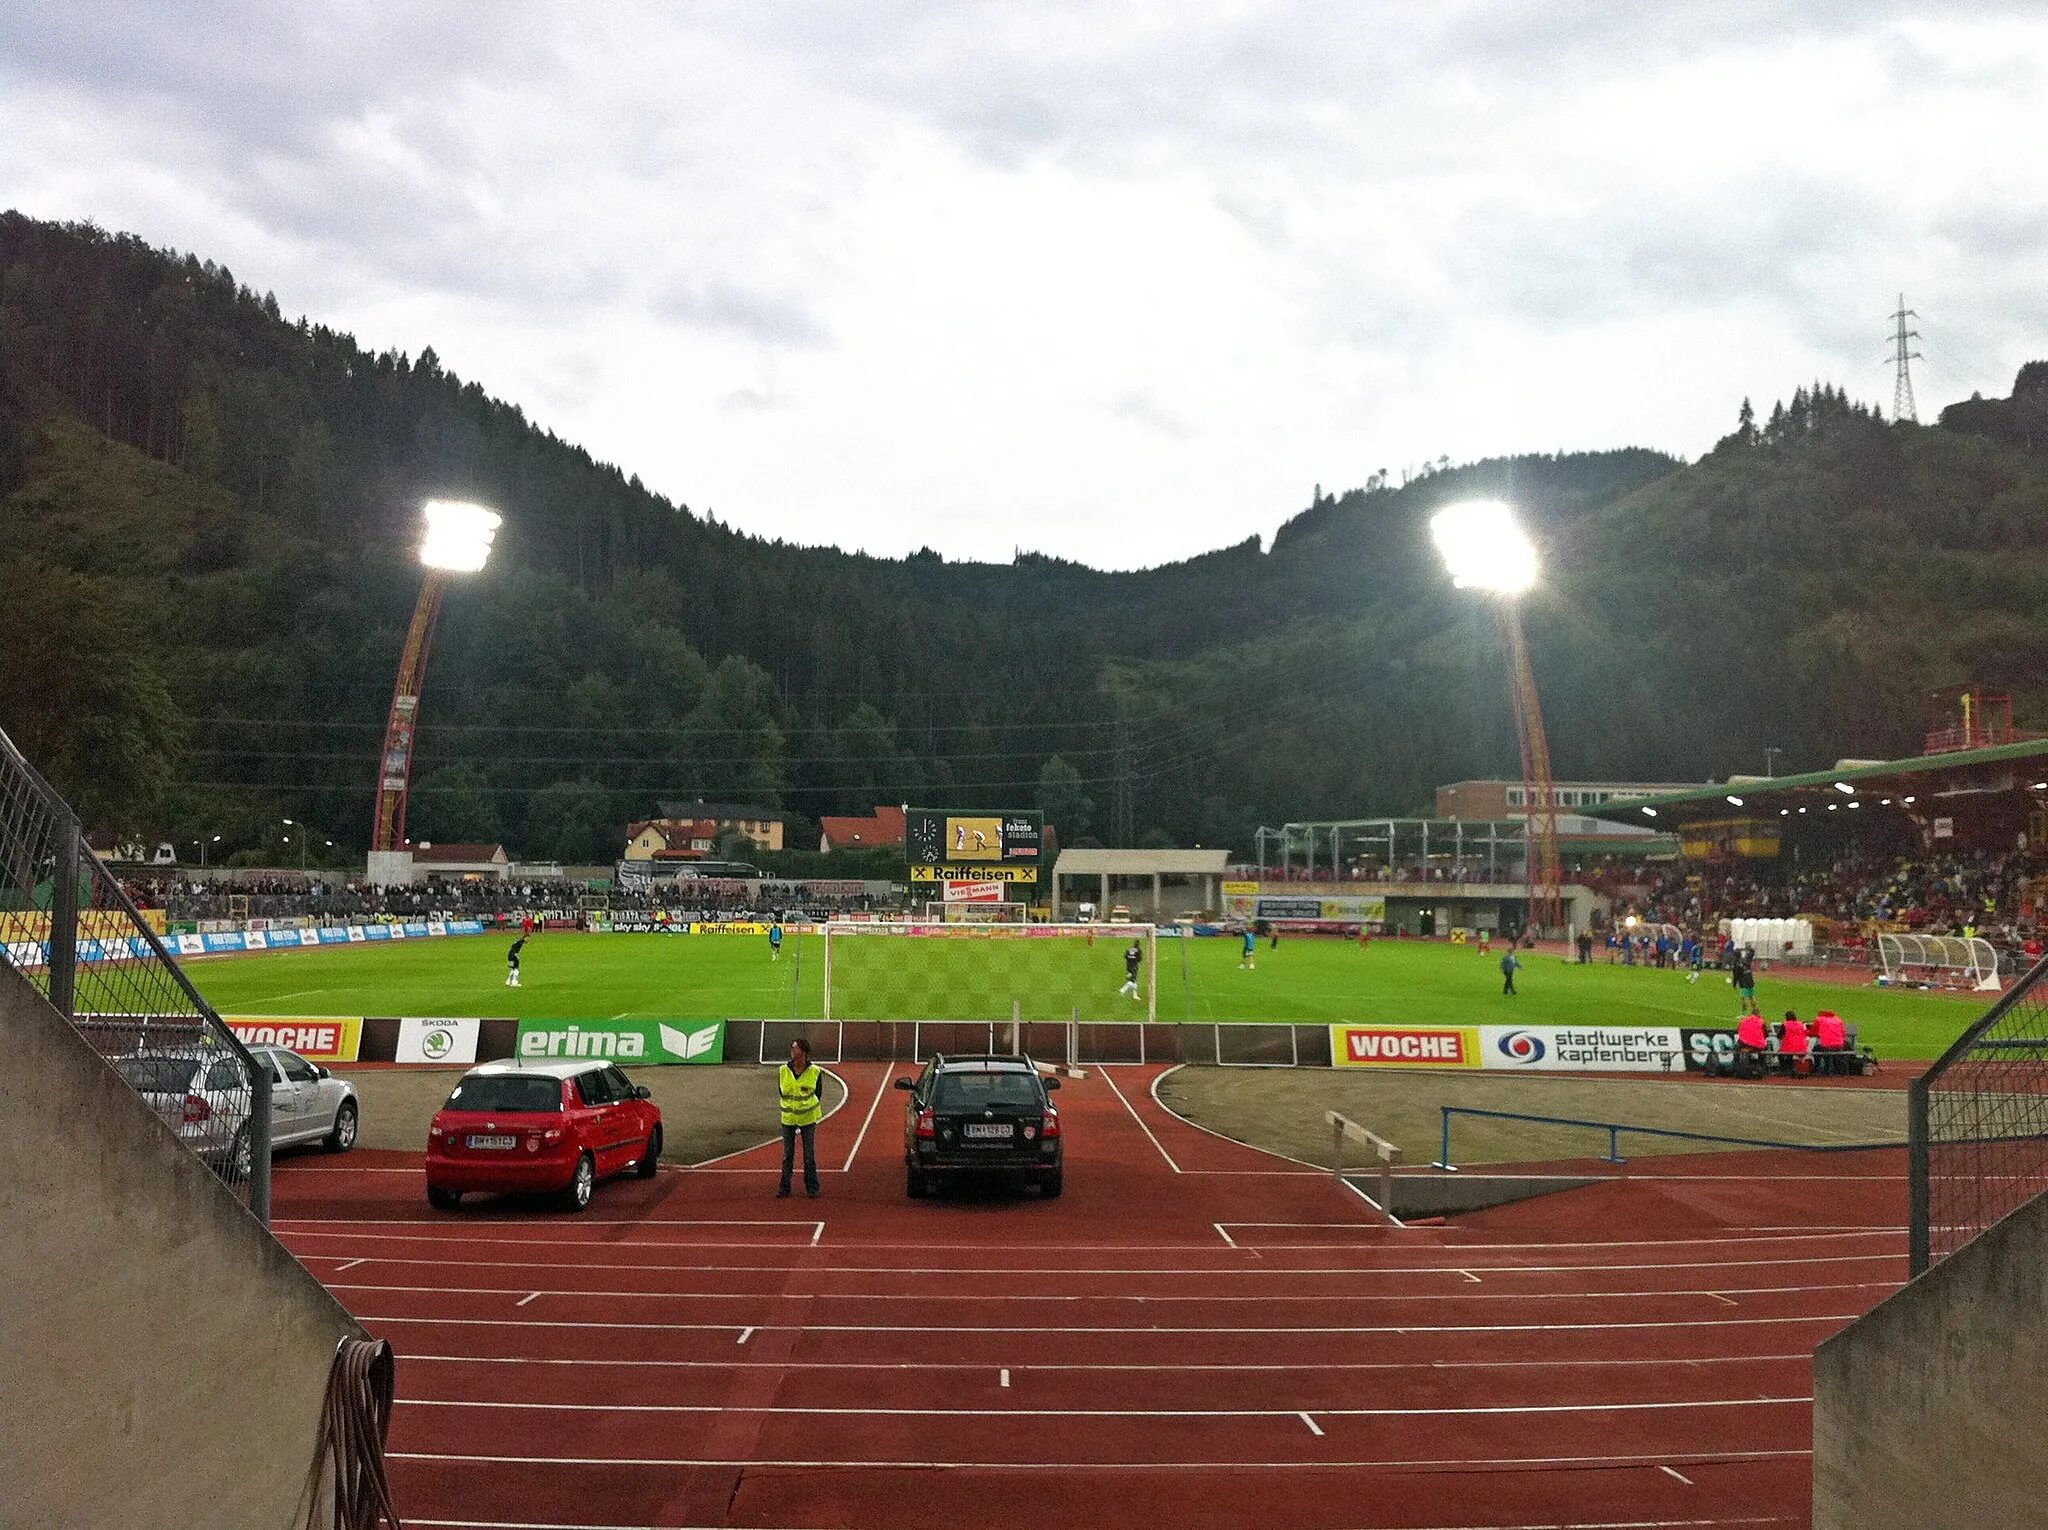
(1004, 1380)
(1313, 1428)
(1544, 1463)
(350, 1265)
(1800, 1357)
(525, 1299)
(1427, 1240)
(1224, 1233)
(777, 1410)
(1605, 1524)
(1681, 1476)
(1339, 1298)
(888, 1078)
(745, 1334)
(1471, 1277)
(1111, 1081)
(981, 1271)
(1156, 1330)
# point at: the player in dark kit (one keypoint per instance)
(1132, 956)
(512, 963)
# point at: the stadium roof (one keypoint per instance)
(1141, 863)
(1928, 777)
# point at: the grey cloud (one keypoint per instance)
(1140, 407)
(759, 316)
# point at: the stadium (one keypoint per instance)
(1513, 997)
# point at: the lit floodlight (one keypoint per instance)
(1907, 800)
(459, 536)
(1483, 547)
(1649, 812)
(1733, 800)
(1844, 786)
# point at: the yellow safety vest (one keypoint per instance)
(800, 1104)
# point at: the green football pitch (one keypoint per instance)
(571, 976)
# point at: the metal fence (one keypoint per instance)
(72, 932)
(1977, 1124)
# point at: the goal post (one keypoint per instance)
(1940, 961)
(943, 970)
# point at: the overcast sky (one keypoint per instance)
(1115, 282)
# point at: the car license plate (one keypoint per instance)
(499, 1143)
(986, 1130)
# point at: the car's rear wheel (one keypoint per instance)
(577, 1196)
(240, 1163)
(343, 1137)
(916, 1183)
(1051, 1185)
(443, 1200)
(651, 1158)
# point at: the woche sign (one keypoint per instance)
(1401, 1046)
(317, 1038)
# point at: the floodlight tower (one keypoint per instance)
(1485, 549)
(457, 541)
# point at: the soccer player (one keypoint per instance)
(1251, 950)
(775, 941)
(512, 963)
(1132, 956)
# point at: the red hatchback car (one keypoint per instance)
(550, 1127)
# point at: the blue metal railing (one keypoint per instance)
(1614, 1129)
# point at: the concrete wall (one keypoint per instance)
(1927, 1410)
(166, 1359)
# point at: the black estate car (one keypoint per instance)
(981, 1116)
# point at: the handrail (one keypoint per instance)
(1614, 1129)
(1388, 1154)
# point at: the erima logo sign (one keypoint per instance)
(1405, 1046)
(688, 1043)
(1521, 1047)
(676, 1045)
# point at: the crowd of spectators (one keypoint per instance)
(1967, 892)
(344, 900)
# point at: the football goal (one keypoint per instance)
(1938, 961)
(933, 970)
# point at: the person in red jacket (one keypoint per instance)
(1830, 1042)
(1794, 1048)
(1750, 1045)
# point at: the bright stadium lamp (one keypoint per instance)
(1485, 549)
(457, 540)
(459, 536)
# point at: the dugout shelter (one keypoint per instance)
(1155, 885)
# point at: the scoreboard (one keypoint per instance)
(945, 846)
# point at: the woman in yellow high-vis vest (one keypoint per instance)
(801, 1112)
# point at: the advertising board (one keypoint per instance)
(646, 1042)
(317, 1038)
(438, 1041)
(1581, 1048)
(1405, 1046)
(1246, 902)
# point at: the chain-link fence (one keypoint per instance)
(1977, 1123)
(67, 926)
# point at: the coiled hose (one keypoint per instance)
(360, 1389)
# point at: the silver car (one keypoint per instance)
(202, 1094)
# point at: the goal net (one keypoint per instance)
(933, 970)
(1938, 961)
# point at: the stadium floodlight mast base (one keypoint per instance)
(457, 541)
(1485, 549)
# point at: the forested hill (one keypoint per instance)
(206, 524)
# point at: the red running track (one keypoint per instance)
(1196, 1334)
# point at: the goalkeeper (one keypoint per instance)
(1132, 957)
